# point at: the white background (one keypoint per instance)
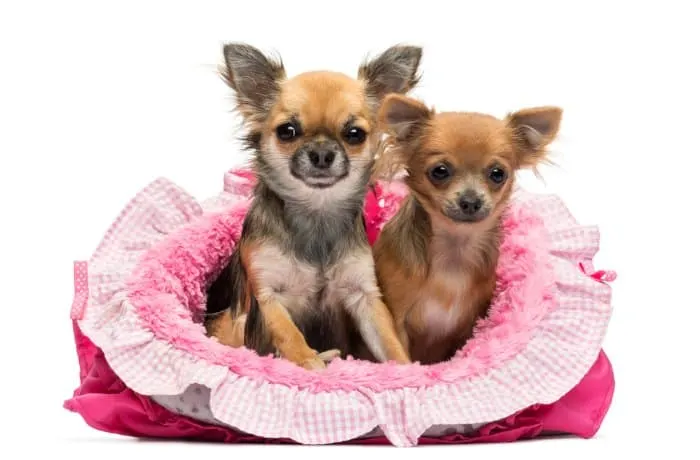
(99, 98)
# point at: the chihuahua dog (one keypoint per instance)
(436, 258)
(301, 283)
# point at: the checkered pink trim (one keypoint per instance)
(80, 296)
(555, 356)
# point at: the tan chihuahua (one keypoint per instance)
(301, 281)
(436, 259)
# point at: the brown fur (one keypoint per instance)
(227, 330)
(437, 274)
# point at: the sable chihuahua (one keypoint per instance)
(436, 258)
(301, 282)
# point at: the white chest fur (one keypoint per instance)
(441, 310)
(296, 284)
(438, 320)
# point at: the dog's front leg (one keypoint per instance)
(362, 300)
(377, 329)
(288, 340)
(356, 284)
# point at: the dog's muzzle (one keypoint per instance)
(320, 163)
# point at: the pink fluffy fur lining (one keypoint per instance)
(167, 289)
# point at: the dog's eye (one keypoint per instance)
(354, 135)
(497, 175)
(439, 173)
(288, 131)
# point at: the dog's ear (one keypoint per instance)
(254, 77)
(403, 119)
(533, 130)
(393, 71)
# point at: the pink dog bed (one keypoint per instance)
(535, 366)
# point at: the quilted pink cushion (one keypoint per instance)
(535, 364)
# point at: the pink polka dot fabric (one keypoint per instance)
(137, 319)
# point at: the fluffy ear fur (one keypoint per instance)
(254, 77)
(402, 119)
(533, 130)
(393, 71)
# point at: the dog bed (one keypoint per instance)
(534, 367)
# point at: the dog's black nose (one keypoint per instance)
(470, 204)
(322, 159)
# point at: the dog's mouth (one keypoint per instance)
(320, 181)
(459, 216)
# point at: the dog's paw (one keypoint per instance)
(313, 364)
(329, 355)
(319, 361)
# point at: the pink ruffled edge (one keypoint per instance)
(257, 368)
(107, 404)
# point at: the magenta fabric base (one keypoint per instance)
(106, 404)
